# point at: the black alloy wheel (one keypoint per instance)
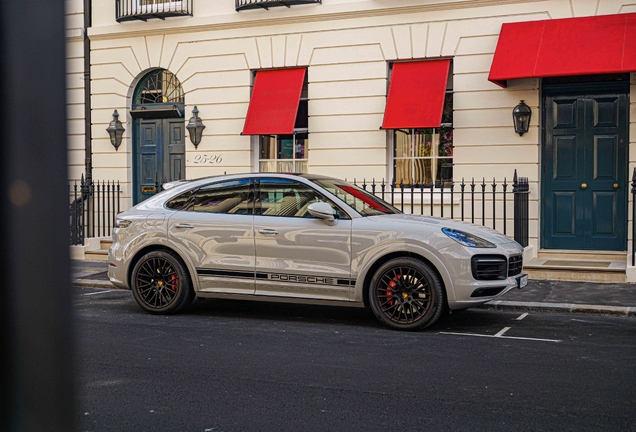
(161, 283)
(406, 294)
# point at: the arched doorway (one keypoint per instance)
(158, 133)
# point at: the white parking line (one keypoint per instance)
(500, 337)
(522, 316)
(502, 332)
(99, 292)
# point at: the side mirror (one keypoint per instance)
(321, 210)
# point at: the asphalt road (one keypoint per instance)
(251, 366)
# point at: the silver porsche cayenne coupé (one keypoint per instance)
(305, 238)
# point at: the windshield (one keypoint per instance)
(363, 202)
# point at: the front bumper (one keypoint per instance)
(468, 291)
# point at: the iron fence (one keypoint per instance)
(128, 10)
(483, 202)
(634, 218)
(266, 4)
(93, 209)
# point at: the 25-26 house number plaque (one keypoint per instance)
(208, 159)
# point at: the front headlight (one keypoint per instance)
(122, 223)
(468, 240)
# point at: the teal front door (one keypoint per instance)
(585, 184)
(159, 154)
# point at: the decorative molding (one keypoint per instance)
(105, 33)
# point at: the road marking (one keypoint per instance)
(99, 292)
(502, 332)
(500, 337)
(522, 316)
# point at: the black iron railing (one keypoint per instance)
(634, 218)
(483, 203)
(93, 209)
(266, 4)
(128, 10)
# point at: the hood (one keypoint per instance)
(486, 233)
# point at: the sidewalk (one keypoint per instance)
(539, 295)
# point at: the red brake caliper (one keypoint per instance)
(391, 287)
(174, 280)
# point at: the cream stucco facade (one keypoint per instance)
(346, 46)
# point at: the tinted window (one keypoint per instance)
(363, 202)
(180, 201)
(283, 197)
(227, 197)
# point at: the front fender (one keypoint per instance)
(384, 249)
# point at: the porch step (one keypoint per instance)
(581, 255)
(96, 255)
(599, 269)
(100, 254)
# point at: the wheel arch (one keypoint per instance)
(160, 247)
(444, 277)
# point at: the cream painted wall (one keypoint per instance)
(346, 46)
(75, 88)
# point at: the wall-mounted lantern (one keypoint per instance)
(115, 130)
(521, 118)
(195, 127)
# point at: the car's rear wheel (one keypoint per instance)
(161, 283)
(406, 294)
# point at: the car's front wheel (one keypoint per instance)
(161, 283)
(406, 294)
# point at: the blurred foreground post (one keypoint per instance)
(36, 361)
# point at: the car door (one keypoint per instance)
(298, 255)
(215, 228)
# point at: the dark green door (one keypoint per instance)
(159, 154)
(585, 172)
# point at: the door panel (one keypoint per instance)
(159, 154)
(298, 255)
(149, 154)
(585, 154)
(217, 232)
(175, 162)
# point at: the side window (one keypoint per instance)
(227, 197)
(179, 202)
(283, 197)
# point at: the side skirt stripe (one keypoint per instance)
(277, 277)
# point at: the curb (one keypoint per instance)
(93, 283)
(623, 311)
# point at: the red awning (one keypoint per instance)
(274, 102)
(416, 95)
(565, 47)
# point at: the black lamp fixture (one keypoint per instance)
(195, 127)
(115, 130)
(521, 118)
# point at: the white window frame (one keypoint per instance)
(256, 162)
(391, 153)
(256, 166)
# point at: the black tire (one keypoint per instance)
(406, 294)
(161, 283)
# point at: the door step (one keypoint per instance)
(100, 254)
(582, 255)
(578, 266)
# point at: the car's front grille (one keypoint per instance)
(489, 267)
(515, 265)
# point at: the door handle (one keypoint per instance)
(184, 226)
(615, 185)
(583, 185)
(268, 232)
